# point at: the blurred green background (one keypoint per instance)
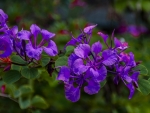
(63, 16)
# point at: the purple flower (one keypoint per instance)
(33, 49)
(126, 74)
(82, 38)
(83, 69)
(5, 46)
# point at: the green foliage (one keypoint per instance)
(144, 86)
(29, 73)
(17, 59)
(24, 103)
(143, 70)
(69, 50)
(45, 61)
(39, 102)
(61, 61)
(11, 76)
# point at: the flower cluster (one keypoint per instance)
(25, 43)
(89, 65)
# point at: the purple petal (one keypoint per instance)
(110, 57)
(72, 93)
(96, 47)
(102, 73)
(89, 29)
(24, 35)
(131, 61)
(14, 30)
(99, 75)
(117, 43)
(92, 87)
(104, 36)
(82, 50)
(116, 79)
(33, 53)
(35, 30)
(46, 35)
(132, 89)
(51, 49)
(3, 17)
(5, 47)
(64, 74)
(71, 59)
(135, 78)
(79, 67)
(72, 42)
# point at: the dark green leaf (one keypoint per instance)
(103, 83)
(18, 59)
(24, 103)
(143, 70)
(69, 50)
(29, 73)
(144, 86)
(45, 61)
(61, 61)
(11, 76)
(39, 102)
(15, 67)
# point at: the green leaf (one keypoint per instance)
(11, 76)
(61, 61)
(39, 102)
(18, 59)
(144, 86)
(143, 70)
(69, 50)
(24, 103)
(15, 67)
(25, 89)
(29, 73)
(45, 61)
(103, 83)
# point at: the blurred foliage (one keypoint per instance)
(42, 93)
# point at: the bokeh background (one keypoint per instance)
(129, 18)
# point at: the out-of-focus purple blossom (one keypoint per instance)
(136, 31)
(33, 49)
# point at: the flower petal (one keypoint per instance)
(51, 49)
(110, 57)
(5, 47)
(92, 87)
(132, 89)
(35, 30)
(24, 35)
(71, 59)
(82, 50)
(96, 47)
(64, 74)
(99, 75)
(79, 67)
(104, 36)
(46, 35)
(89, 29)
(33, 53)
(72, 93)
(3, 17)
